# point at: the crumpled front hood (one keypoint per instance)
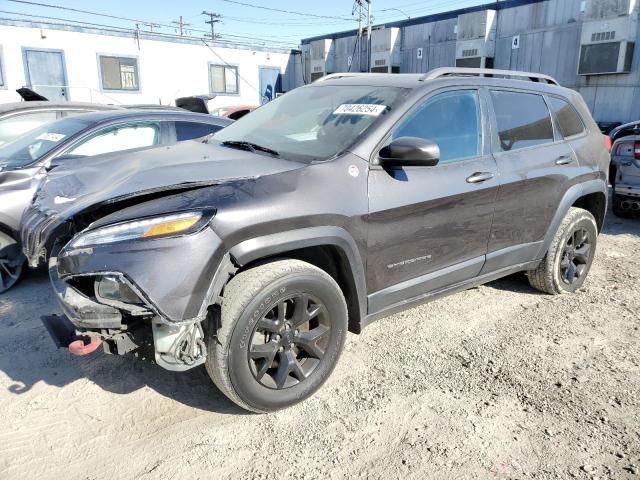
(81, 183)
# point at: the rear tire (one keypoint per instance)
(565, 266)
(283, 327)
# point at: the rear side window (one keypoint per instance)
(192, 130)
(569, 121)
(452, 120)
(523, 120)
(118, 139)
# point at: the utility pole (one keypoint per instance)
(213, 19)
(369, 18)
(181, 24)
(151, 26)
(359, 6)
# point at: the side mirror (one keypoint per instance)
(410, 152)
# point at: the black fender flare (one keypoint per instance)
(570, 197)
(280, 243)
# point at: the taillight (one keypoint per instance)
(608, 142)
(636, 150)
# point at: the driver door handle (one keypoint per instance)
(564, 160)
(480, 177)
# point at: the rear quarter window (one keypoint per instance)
(569, 122)
(523, 119)
(193, 130)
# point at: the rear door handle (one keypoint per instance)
(479, 177)
(564, 160)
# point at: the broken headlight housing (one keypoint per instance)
(146, 228)
(113, 290)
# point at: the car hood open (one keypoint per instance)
(83, 182)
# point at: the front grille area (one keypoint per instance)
(36, 226)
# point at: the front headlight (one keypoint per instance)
(167, 225)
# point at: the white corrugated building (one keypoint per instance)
(124, 66)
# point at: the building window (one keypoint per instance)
(119, 73)
(223, 79)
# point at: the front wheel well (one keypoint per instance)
(596, 203)
(335, 262)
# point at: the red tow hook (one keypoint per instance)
(79, 348)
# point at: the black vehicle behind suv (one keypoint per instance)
(334, 205)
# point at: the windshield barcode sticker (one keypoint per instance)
(51, 137)
(360, 109)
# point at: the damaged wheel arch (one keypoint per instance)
(330, 248)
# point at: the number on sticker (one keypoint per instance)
(360, 109)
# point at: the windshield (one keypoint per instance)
(32, 146)
(313, 123)
(16, 125)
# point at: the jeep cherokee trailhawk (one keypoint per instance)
(339, 203)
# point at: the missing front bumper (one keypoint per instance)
(64, 334)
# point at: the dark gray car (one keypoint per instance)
(625, 179)
(25, 161)
(334, 205)
(18, 118)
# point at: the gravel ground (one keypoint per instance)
(498, 381)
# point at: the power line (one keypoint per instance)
(434, 7)
(137, 21)
(101, 25)
(243, 40)
(87, 12)
(291, 12)
(289, 23)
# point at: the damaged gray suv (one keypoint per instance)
(336, 204)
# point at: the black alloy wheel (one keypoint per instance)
(11, 263)
(575, 256)
(281, 330)
(568, 260)
(289, 342)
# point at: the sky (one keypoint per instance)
(249, 22)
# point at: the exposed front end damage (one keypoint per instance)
(133, 258)
(151, 298)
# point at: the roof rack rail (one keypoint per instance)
(347, 75)
(462, 72)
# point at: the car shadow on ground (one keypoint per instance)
(28, 356)
(516, 283)
(621, 226)
(614, 225)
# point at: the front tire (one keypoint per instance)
(283, 327)
(11, 262)
(568, 260)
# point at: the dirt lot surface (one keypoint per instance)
(495, 382)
